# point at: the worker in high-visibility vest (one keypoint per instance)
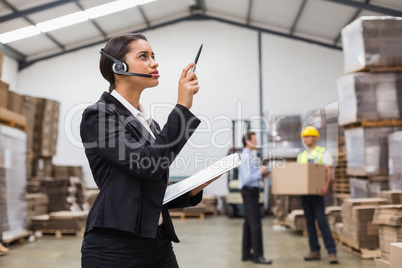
(313, 205)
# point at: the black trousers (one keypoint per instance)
(106, 248)
(314, 209)
(252, 231)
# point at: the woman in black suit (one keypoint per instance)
(129, 156)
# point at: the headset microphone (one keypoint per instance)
(119, 67)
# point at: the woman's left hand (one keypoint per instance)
(195, 191)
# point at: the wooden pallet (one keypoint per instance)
(363, 253)
(379, 123)
(18, 239)
(184, 215)
(379, 69)
(12, 119)
(62, 233)
(341, 141)
(341, 188)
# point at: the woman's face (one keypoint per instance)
(141, 59)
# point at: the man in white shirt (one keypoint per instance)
(250, 175)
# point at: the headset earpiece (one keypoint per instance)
(119, 66)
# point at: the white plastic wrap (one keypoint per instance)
(363, 188)
(372, 41)
(367, 150)
(395, 160)
(284, 137)
(369, 96)
(13, 207)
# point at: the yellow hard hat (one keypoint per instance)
(310, 131)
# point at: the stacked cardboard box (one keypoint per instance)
(395, 160)
(14, 102)
(370, 187)
(393, 197)
(296, 221)
(371, 42)
(367, 150)
(358, 229)
(76, 176)
(64, 221)
(61, 193)
(46, 127)
(338, 230)
(334, 216)
(369, 96)
(1, 62)
(210, 202)
(389, 220)
(370, 102)
(36, 205)
(396, 255)
(67, 171)
(3, 94)
(29, 111)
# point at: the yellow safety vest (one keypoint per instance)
(316, 153)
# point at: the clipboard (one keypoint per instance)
(218, 168)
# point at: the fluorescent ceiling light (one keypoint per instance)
(70, 19)
(19, 34)
(113, 7)
(62, 22)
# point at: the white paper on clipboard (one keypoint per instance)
(218, 168)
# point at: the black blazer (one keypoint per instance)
(131, 168)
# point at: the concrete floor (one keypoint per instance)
(213, 242)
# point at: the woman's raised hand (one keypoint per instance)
(188, 87)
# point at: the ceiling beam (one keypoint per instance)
(33, 23)
(144, 16)
(196, 17)
(250, 6)
(94, 23)
(29, 11)
(292, 29)
(355, 16)
(374, 8)
(12, 53)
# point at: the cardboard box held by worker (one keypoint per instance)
(298, 179)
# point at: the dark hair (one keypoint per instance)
(247, 137)
(117, 47)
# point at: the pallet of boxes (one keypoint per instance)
(389, 221)
(207, 206)
(370, 110)
(13, 137)
(63, 186)
(37, 188)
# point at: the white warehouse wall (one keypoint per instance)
(228, 73)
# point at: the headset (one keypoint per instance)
(120, 67)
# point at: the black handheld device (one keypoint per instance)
(196, 59)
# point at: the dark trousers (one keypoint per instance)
(314, 209)
(112, 248)
(252, 231)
